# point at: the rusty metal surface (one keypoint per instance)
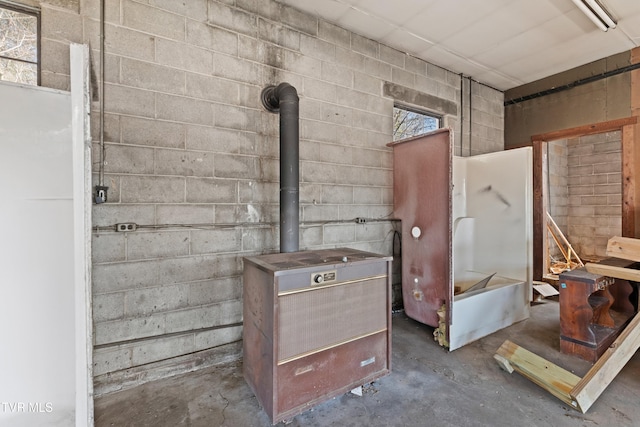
(258, 354)
(342, 313)
(422, 168)
(300, 345)
(314, 258)
(320, 376)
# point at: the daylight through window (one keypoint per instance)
(408, 123)
(18, 45)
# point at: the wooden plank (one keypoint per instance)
(579, 393)
(558, 244)
(570, 251)
(504, 363)
(629, 187)
(635, 173)
(601, 127)
(539, 221)
(591, 386)
(624, 247)
(635, 150)
(613, 271)
(547, 375)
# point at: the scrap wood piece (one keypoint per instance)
(624, 247)
(561, 241)
(547, 375)
(440, 333)
(608, 366)
(579, 393)
(559, 267)
(613, 271)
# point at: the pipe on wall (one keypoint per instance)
(283, 98)
(573, 84)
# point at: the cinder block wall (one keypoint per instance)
(595, 193)
(192, 159)
(486, 118)
(558, 202)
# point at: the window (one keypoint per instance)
(408, 123)
(19, 45)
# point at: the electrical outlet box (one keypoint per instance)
(126, 226)
(101, 194)
(361, 220)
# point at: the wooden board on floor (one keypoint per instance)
(547, 375)
(579, 393)
(608, 366)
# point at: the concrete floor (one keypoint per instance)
(427, 386)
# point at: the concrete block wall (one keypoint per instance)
(595, 193)
(483, 119)
(191, 157)
(558, 202)
(487, 119)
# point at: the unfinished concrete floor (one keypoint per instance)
(427, 387)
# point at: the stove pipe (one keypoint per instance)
(284, 99)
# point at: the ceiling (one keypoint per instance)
(502, 43)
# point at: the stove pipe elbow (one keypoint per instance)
(283, 99)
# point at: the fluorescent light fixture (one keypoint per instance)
(596, 13)
(602, 13)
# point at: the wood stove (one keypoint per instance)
(316, 324)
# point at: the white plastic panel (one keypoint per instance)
(36, 258)
(463, 225)
(492, 235)
(499, 197)
(484, 312)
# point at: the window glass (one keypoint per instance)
(18, 45)
(408, 123)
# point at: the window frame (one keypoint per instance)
(35, 13)
(423, 112)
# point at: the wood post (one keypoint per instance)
(630, 173)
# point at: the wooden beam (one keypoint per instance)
(547, 375)
(539, 220)
(634, 144)
(624, 247)
(601, 127)
(629, 186)
(608, 366)
(579, 393)
(630, 130)
(613, 271)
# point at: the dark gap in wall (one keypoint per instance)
(169, 335)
